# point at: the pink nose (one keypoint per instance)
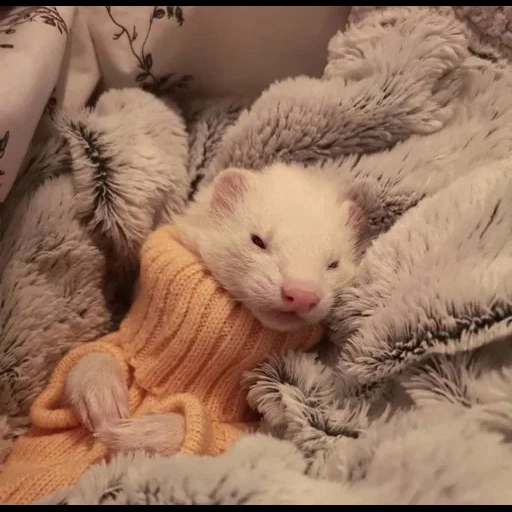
(299, 297)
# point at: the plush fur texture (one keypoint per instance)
(101, 143)
(488, 28)
(420, 459)
(402, 118)
(365, 107)
(245, 475)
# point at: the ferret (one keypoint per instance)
(283, 241)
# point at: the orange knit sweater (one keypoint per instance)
(183, 348)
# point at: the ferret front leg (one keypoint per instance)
(154, 433)
(96, 390)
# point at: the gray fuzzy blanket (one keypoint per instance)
(410, 401)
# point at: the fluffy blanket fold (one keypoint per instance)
(411, 401)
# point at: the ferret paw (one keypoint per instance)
(96, 391)
(153, 433)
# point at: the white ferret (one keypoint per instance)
(284, 241)
(285, 244)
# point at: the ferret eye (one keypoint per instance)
(334, 264)
(256, 240)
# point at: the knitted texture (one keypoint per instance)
(183, 348)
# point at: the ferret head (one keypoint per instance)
(283, 241)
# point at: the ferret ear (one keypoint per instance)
(229, 188)
(356, 215)
(358, 222)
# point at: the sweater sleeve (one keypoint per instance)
(203, 436)
(225, 434)
(47, 410)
